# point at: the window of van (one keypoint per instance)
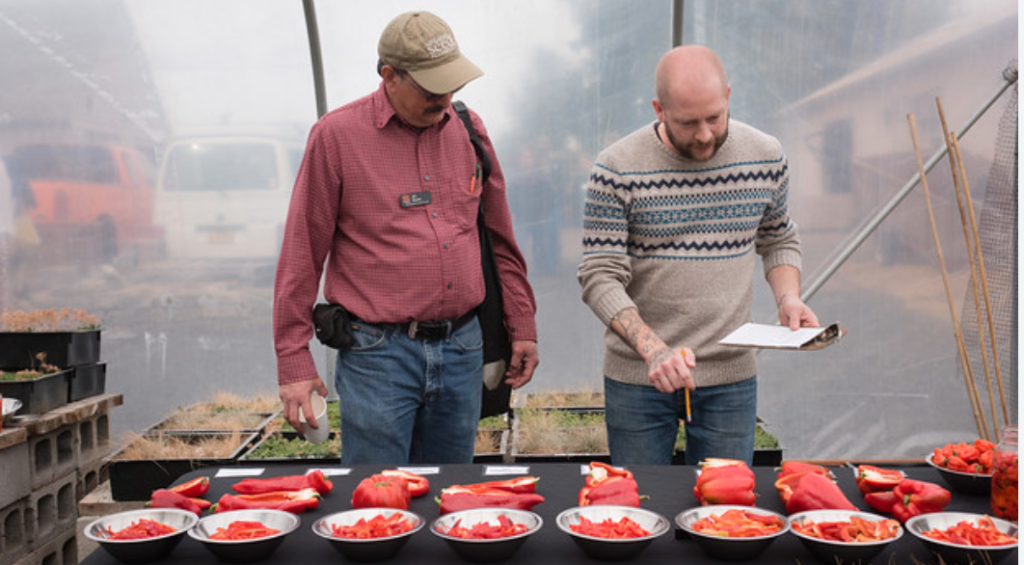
(221, 167)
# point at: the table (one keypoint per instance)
(670, 489)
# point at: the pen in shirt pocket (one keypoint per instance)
(472, 182)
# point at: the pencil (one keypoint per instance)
(689, 418)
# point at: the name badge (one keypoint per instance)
(415, 199)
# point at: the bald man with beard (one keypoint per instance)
(675, 216)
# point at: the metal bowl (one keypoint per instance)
(244, 551)
(612, 549)
(837, 551)
(732, 549)
(968, 483)
(10, 406)
(371, 549)
(142, 550)
(954, 552)
(486, 550)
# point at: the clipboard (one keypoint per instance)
(770, 336)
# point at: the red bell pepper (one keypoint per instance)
(166, 498)
(601, 472)
(314, 479)
(876, 479)
(381, 491)
(914, 498)
(618, 491)
(418, 484)
(193, 489)
(816, 492)
(463, 498)
(882, 501)
(733, 489)
(294, 501)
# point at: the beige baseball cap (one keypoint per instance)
(423, 44)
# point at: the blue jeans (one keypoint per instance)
(642, 422)
(408, 400)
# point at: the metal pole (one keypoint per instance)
(677, 22)
(811, 289)
(313, 32)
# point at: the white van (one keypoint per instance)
(225, 196)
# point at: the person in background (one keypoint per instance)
(675, 216)
(387, 194)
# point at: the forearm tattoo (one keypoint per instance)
(636, 333)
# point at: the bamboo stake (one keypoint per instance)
(979, 417)
(971, 250)
(984, 280)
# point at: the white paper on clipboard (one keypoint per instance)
(781, 337)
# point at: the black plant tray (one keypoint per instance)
(260, 421)
(39, 395)
(314, 458)
(87, 380)
(136, 479)
(63, 349)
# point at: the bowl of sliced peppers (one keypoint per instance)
(973, 477)
(244, 536)
(844, 536)
(486, 535)
(611, 532)
(369, 534)
(731, 532)
(141, 536)
(962, 537)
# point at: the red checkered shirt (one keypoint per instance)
(386, 262)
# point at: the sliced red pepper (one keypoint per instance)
(193, 489)
(793, 467)
(817, 492)
(601, 472)
(314, 479)
(294, 501)
(623, 528)
(140, 529)
(461, 498)
(518, 484)
(166, 498)
(243, 530)
(873, 479)
(486, 530)
(418, 484)
(377, 527)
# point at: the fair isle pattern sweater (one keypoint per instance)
(677, 239)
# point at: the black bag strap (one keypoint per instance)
(478, 144)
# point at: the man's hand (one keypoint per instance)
(795, 314)
(669, 369)
(295, 397)
(525, 359)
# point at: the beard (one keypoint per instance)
(689, 150)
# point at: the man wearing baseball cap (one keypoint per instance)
(385, 208)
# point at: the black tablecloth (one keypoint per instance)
(670, 489)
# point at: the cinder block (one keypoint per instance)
(15, 473)
(93, 439)
(90, 477)
(52, 455)
(14, 531)
(61, 550)
(52, 509)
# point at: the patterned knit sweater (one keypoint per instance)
(677, 238)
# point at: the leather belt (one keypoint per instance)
(436, 330)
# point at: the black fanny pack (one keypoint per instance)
(333, 326)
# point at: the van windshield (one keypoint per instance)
(201, 166)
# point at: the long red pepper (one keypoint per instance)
(314, 479)
(464, 499)
(289, 501)
(165, 498)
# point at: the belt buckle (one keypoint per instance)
(412, 329)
